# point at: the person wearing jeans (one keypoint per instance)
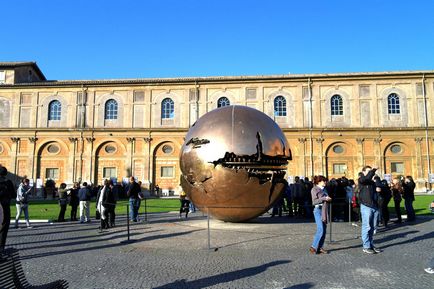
(22, 203)
(368, 196)
(133, 193)
(84, 196)
(369, 219)
(319, 200)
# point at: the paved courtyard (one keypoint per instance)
(169, 252)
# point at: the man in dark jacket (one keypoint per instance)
(133, 193)
(368, 197)
(297, 193)
(408, 195)
(109, 201)
(7, 191)
(84, 196)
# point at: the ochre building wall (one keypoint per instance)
(83, 144)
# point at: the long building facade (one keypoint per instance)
(88, 130)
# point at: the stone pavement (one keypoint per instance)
(169, 252)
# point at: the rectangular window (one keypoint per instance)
(339, 168)
(81, 97)
(305, 92)
(52, 173)
(250, 93)
(26, 98)
(193, 94)
(2, 76)
(397, 168)
(364, 90)
(419, 89)
(167, 172)
(109, 172)
(139, 96)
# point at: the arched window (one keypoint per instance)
(279, 106)
(393, 104)
(111, 109)
(167, 109)
(223, 101)
(336, 103)
(54, 110)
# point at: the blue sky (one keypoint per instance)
(104, 39)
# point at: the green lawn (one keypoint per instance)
(43, 209)
(420, 205)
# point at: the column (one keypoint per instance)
(378, 155)
(148, 159)
(89, 154)
(321, 169)
(32, 157)
(360, 153)
(130, 151)
(302, 168)
(72, 172)
(15, 147)
(419, 162)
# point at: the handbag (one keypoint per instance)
(97, 215)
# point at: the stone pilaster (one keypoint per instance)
(378, 155)
(15, 147)
(148, 160)
(360, 152)
(419, 161)
(33, 156)
(302, 144)
(130, 151)
(90, 175)
(71, 173)
(321, 159)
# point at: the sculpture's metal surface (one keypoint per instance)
(233, 163)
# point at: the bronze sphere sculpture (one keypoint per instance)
(233, 163)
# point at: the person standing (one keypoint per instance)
(7, 190)
(100, 207)
(320, 201)
(368, 197)
(110, 202)
(22, 203)
(297, 196)
(134, 201)
(408, 196)
(397, 191)
(157, 190)
(386, 195)
(84, 196)
(63, 201)
(74, 201)
(184, 204)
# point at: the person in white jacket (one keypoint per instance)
(22, 204)
(99, 204)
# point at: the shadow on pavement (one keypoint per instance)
(429, 235)
(74, 240)
(222, 278)
(102, 246)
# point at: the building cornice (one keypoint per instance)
(141, 131)
(228, 79)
